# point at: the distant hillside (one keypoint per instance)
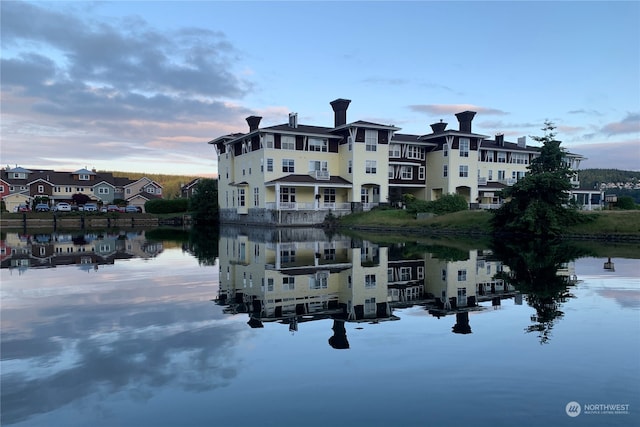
(170, 183)
(592, 177)
(614, 181)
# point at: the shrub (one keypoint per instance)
(162, 206)
(448, 203)
(625, 202)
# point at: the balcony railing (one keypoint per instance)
(482, 181)
(323, 175)
(294, 206)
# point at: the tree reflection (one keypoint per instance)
(203, 243)
(538, 269)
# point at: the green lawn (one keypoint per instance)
(603, 223)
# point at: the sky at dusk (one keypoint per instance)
(142, 86)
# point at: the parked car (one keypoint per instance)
(91, 207)
(21, 208)
(114, 208)
(132, 209)
(62, 207)
(42, 207)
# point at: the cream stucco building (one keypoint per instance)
(295, 174)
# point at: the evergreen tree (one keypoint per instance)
(204, 202)
(538, 203)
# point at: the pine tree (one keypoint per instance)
(538, 203)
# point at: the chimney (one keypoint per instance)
(254, 122)
(522, 142)
(293, 120)
(500, 139)
(465, 119)
(438, 127)
(340, 109)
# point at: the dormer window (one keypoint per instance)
(19, 175)
(83, 177)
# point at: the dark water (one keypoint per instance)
(293, 328)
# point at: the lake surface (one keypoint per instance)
(294, 328)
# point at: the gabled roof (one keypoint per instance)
(302, 129)
(403, 137)
(84, 172)
(18, 169)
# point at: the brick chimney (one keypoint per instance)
(465, 118)
(439, 127)
(254, 122)
(340, 111)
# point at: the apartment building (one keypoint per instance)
(295, 174)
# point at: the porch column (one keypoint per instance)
(315, 196)
(589, 201)
(277, 196)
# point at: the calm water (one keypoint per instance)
(291, 328)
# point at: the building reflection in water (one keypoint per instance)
(87, 250)
(293, 276)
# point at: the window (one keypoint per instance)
(268, 140)
(40, 189)
(364, 195)
(414, 152)
(288, 283)
(370, 306)
(445, 149)
(420, 272)
(371, 139)
(464, 171)
(241, 199)
(490, 175)
(1, 188)
(462, 296)
(288, 255)
(421, 173)
(256, 196)
(394, 150)
(519, 158)
(392, 171)
(464, 147)
(445, 171)
(406, 172)
(83, 177)
(350, 166)
(489, 157)
(269, 165)
(288, 142)
(330, 254)
(319, 281)
(329, 195)
(501, 175)
(370, 281)
(288, 165)
(405, 273)
(350, 143)
(288, 194)
(317, 144)
(103, 190)
(270, 284)
(462, 275)
(317, 165)
(370, 166)
(502, 157)
(389, 275)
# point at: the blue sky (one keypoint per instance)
(142, 86)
